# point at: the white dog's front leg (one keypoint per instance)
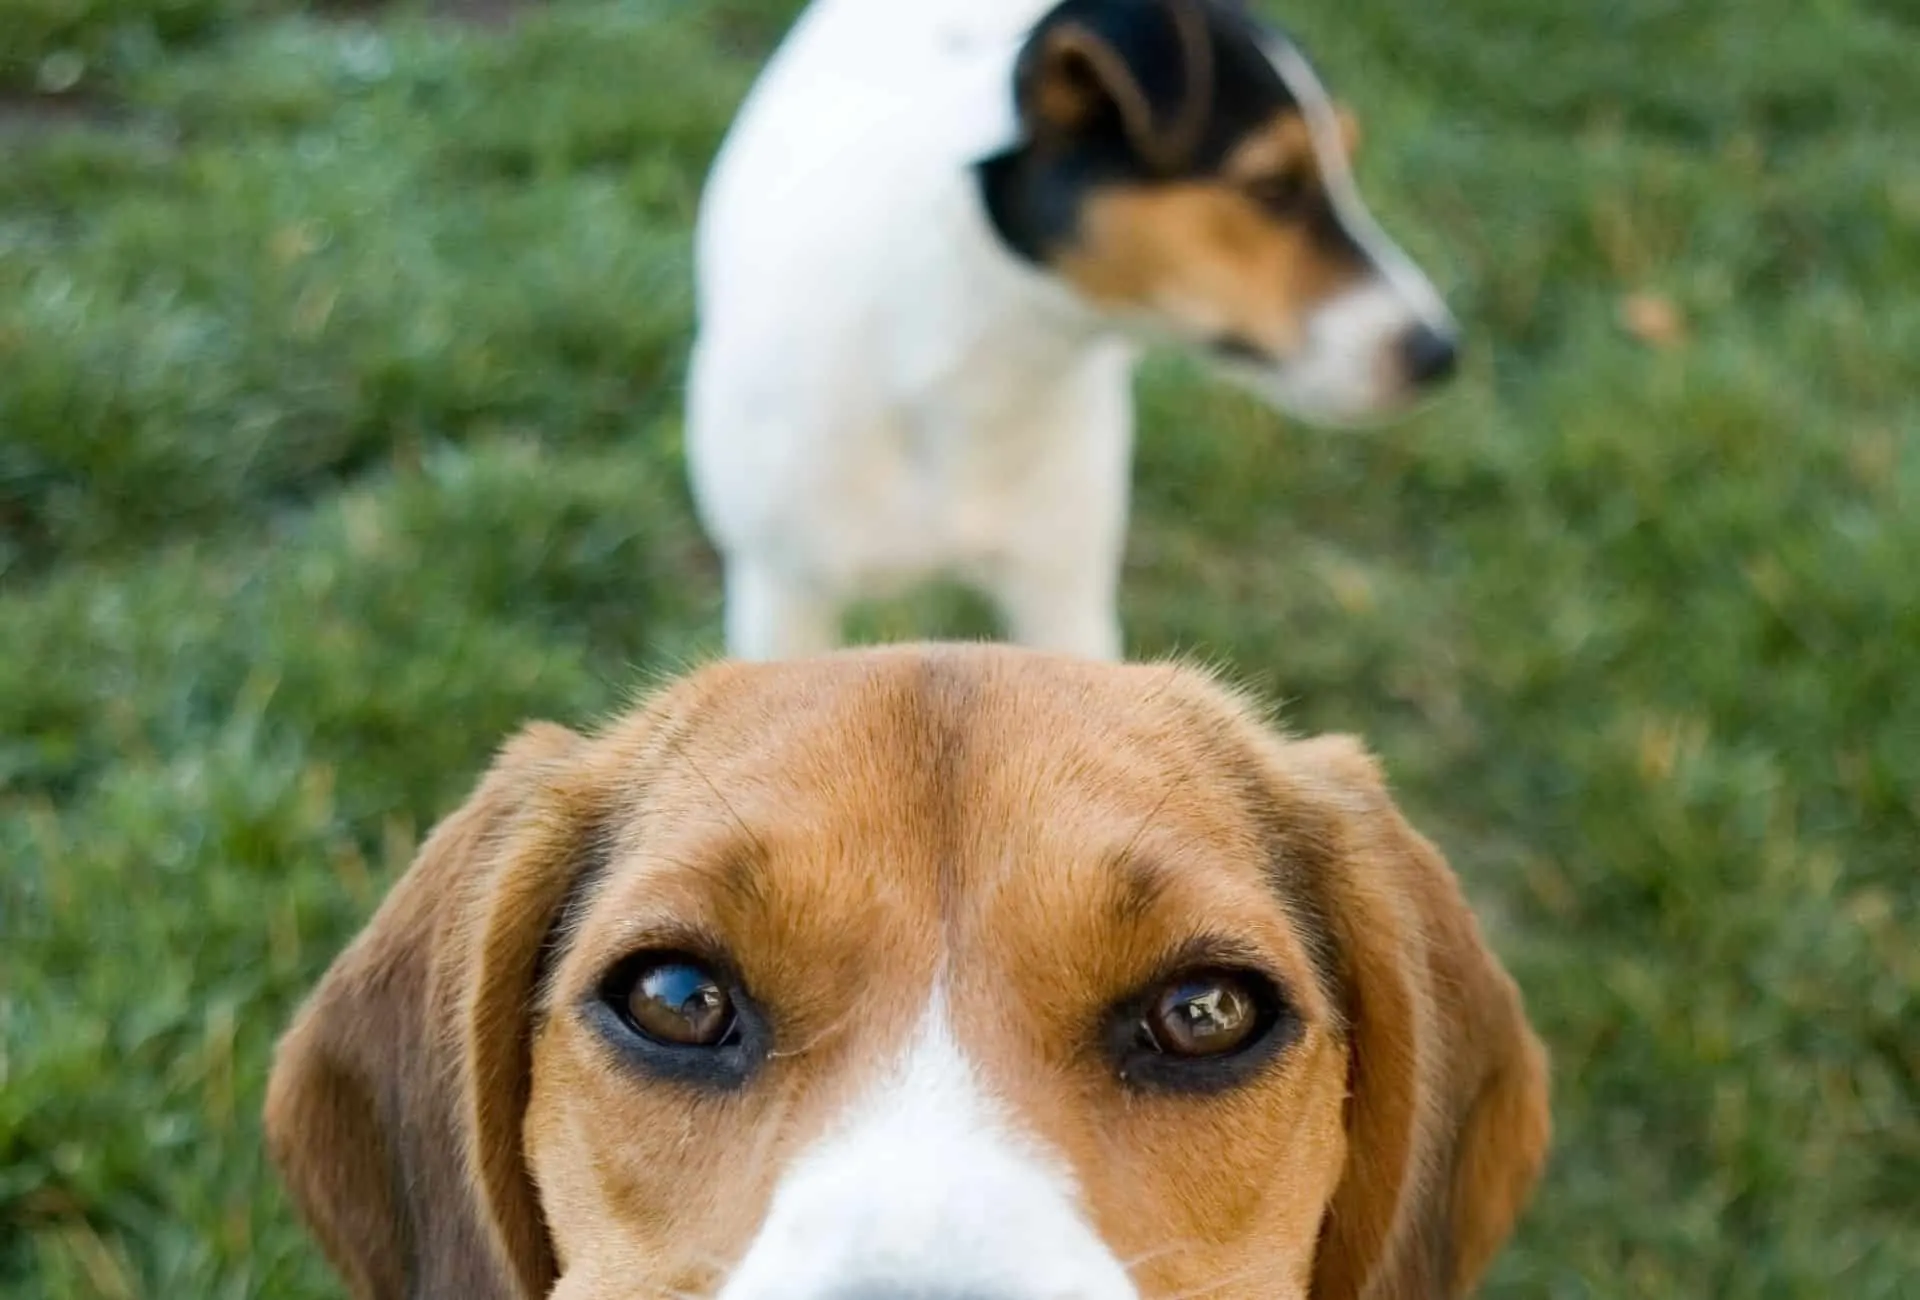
(1068, 609)
(1056, 574)
(775, 615)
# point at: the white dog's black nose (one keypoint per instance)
(1428, 355)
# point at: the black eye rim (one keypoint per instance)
(719, 1066)
(1238, 349)
(1282, 194)
(1139, 1064)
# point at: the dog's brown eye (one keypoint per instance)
(1208, 1013)
(1204, 1029)
(1281, 192)
(678, 1003)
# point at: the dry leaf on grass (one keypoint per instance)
(1653, 319)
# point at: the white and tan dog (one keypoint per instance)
(928, 253)
(959, 973)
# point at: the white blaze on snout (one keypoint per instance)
(1345, 367)
(1395, 268)
(1348, 364)
(924, 1189)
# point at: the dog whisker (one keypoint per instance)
(746, 831)
(1173, 787)
(1146, 1257)
(1214, 1287)
(1166, 796)
(825, 1032)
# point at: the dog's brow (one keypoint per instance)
(1307, 907)
(1160, 688)
(1282, 144)
(747, 832)
(1298, 855)
(742, 873)
(1140, 882)
(725, 867)
(592, 858)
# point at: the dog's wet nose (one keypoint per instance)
(1430, 356)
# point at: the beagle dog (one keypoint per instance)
(958, 973)
(928, 253)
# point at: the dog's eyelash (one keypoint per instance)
(1281, 192)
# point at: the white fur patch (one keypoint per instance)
(1343, 371)
(925, 1190)
(1422, 301)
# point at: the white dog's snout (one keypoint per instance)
(1390, 335)
(1423, 303)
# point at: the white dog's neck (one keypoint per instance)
(981, 310)
(995, 341)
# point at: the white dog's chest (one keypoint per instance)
(880, 392)
(956, 481)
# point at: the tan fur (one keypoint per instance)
(1449, 1117)
(1285, 146)
(1206, 254)
(1050, 832)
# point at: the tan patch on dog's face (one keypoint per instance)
(1283, 149)
(1041, 856)
(1243, 255)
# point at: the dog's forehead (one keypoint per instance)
(905, 697)
(925, 801)
(925, 732)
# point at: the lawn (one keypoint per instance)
(340, 359)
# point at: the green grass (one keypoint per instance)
(85, 46)
(339, 387)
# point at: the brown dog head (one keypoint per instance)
(921, 971)
(1182, 168)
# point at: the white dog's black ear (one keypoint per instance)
(1143, 68)
(395, 1105)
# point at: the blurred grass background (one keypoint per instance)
(340, 355)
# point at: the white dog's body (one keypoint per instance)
(880, 390)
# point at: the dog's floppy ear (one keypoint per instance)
(395, 1103)
(1147, 64)
(1447, 1109)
